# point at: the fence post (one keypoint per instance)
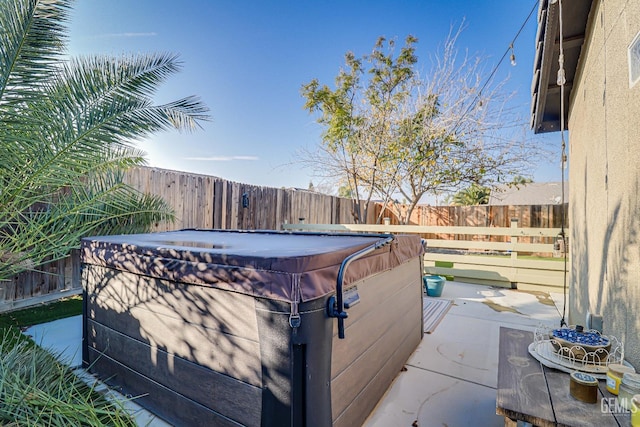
(514, 238)
(514, 252)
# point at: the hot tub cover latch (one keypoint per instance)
(294, 316)
(294, 320)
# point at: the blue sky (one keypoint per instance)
(247, 60)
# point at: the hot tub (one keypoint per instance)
(213, 327)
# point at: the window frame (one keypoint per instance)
(633, 58)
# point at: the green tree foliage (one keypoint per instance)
(519, 180)
(391, 133)
(358, 119)
(345, 192)
(67, 132)
(473, 195)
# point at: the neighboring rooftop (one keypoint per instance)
(535, 193)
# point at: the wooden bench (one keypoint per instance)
(533, 393)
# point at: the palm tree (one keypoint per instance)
(67, 133)
(473, 195)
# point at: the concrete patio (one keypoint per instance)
(450, 379)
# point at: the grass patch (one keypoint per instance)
(541, 258)
(527, 257)
(43, 313)
(444, 264)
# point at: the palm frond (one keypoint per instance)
(32, 40)
(102, 205)
(128, 83)
(67, 133)
(37, 390)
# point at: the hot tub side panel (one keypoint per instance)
(296, 364)
(205, 353)
(192, 352)
(381, 332)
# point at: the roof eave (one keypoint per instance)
(545, 93)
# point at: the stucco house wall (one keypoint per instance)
(604, 177)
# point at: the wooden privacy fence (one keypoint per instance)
(536, 216)
(199, 201)
(202, 201)
(48, 282)
(508, 264)
(527, 216)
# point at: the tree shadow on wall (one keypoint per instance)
(616, 293)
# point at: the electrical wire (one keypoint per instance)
(495, 69)
(561, 80)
